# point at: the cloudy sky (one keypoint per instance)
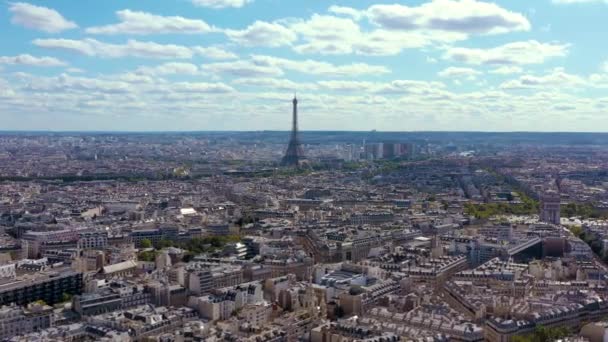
(466, 65)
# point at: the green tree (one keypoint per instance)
(543, 334)
(164, 243)
(188, 256)
(207, 244)
(487, 210)
(577, 231)
(146, 243)
(39, 302)
(66, 297)
(445, 205)
(147, 255)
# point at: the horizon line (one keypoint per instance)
(288, 131)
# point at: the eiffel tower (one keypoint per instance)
(293, 155)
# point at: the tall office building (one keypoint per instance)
(294, 155)
(386, 150)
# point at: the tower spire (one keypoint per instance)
(294, 128)
(294, 153)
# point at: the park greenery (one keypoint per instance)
(352, 166)
(146, 243)
(387, 166)
(66, 297)
(149, 255)
(583, 210)
(192, 247)
(578, 231)
(592, 241)
(292, 172)
(526, 206)
(543, 334)
(529, 206)
(72, 178)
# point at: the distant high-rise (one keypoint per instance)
(294, 155)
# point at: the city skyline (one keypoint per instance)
(206, 65)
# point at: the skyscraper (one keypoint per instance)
(293, 155)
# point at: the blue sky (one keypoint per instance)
(356, 65)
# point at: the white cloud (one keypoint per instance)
(346, 11)
(133, 48)
(39, 18)
(319, 38)
(262, 33)
(221, 3)
(243, 69)
(558, 78)
(6, 93)
(89, 47)
(26, 59)
(399, 104)
(74, 70)
(200, 87)
(135, 78)
(507, 70)
(132, 84)
(598, 80)
(66, 82)
(525, 52)
(275, 84)
(214, 52)
(135, 22)
(124, 96)
(349, 86)
(269, 66)
(465, 16)
(387, 42)
(251, 83)
(413, 87)
(171, 68)
(395, 87)
(346, 37)
(458, 72)
(319, 68)
(398, 27)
